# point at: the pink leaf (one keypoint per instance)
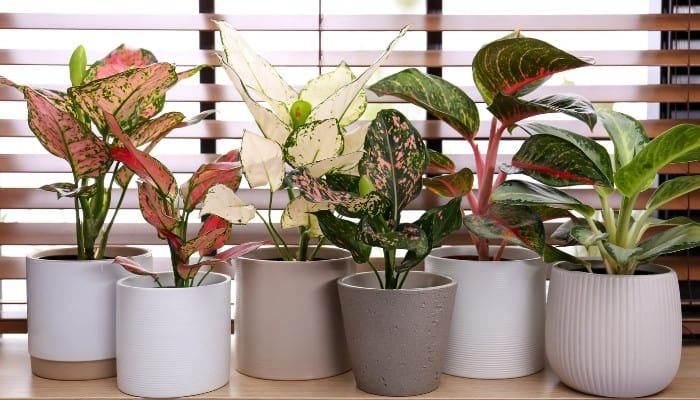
(156, 210)
(133, 267)
(119, 60)
(205, 243)
(207, 176)
(211, 223)
(237, 251)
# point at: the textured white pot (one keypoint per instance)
(288, 320)
(614, 335)
(173, 342)
(71, 312)
(498, 323)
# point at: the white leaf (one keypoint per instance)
(223, 202)
(354, 140)
(345, 163)
(298, 213)
(314, 141)
(338, 104)
(322, 87)
(262, 161)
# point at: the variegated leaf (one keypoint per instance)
(299, 213)
(405, 236)
(315, 190)
(516, 225)
(441, 221)
(627, 134)
(205, 242)
(221, 201)
(678, 238)
(517, 192)
(134, 267)
(318, 89)
(673, 189)
(342, 163)
(440, 163)
(510, 110)
(214, 223)
(357, 207)
(262, 161)
(342, 233)
(206, 177)
(119, 60)
(354, 139)
(67, 189)
(156, 210)
(312, 142)
(457, 184)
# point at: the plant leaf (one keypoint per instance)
(517, 66)
(558, 157)
(405, 236)
(517, 192)
(342, 163)
(627, 134)
(156, 210)
(312, 142)
(206, 241)
(221, 201)
(213, 223)
(342, 233)
(674, 239)
(118, 60)
(315, 190)
(320, 88)
(675, 143)
(134, 267)
(440, 162)
(438, 96)
(439, 222)
(208, 176)
(262, 161)
(517, 225)
(395, 159)
(357, 207)
(67, 189)
(509, 109)
(299, 212)
(673, 189)
(457, 184)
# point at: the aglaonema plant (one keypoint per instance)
(169, 208)
(129, 84)
(506, 73)
(366, 211)
(313, 127)
(556, 157)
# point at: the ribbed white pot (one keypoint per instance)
(288, 319)
(614, 335)
(498, 323)
(71, 312)
(173, 342)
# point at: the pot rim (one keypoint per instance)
(471, 250)
(342, 254)
(135, 251)
(124, 282)
(653, 269)
(449, 282)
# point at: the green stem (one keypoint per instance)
(389, 266)
(108, 227)
(376, 273)
(625, 218)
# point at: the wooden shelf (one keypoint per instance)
(17, 382)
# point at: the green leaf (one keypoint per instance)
(517, 66)
(439, 222)
(370, 204)
(585, 236)
(673, 189)
(558, 157)
(627, 134)
(395, 159)
(66, 189)
(676, 143)
(457, 184)
(77, 65)
(342, 233)
(517, 192)
(625, 259)
(438, 96)
(671, 240)
(509, 109)
(517, 225)
(405, 236)
(440, 162)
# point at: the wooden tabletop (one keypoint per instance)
(16, 381)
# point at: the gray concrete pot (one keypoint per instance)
(397, 338)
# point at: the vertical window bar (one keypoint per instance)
(207, 75)
(434, 42)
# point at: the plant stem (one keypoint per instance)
(389, 264)
(625, 218)
(108, 227)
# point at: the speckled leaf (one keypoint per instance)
(516, 192)
(342, 163)
(405, 236)
(439, 222)
(457, 184)
(118, 60)
(515, 224)
(65, 137)
(156, 210)
(675, 143)
(132, 96)
(517, 66)
(357, 207)
(509, 110)
(440, 162)
(315, 190)
(67, 189)
(395, 159)
(342, 233)
(673, 189)
(206, 177)
(206, 241)
(262, 161)
(324, 86)
(312, 142)
(561, 158)
(627, 134)
(440, 97)
(299, 212)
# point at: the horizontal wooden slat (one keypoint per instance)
(418, 22)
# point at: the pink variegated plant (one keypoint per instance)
(129, 84)
(168, 209)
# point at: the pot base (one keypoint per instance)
(74, 370)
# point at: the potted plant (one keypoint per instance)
(157, 312)
(506, 73)
(613, 321)
(396, 321)
(70, 294)
(288, 323)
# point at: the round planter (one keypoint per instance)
(288, 321)
(173, 342)
(498, 324)
(614, 335)
(397, 338)
(71, 312)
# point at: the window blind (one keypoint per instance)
(645, 52)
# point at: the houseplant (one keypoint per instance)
(647, 341)
(315, 127)
(63, 123)
(396, 321)
(157, 312)
(507, 72)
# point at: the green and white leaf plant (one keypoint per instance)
(168, 209)
(506, 72)
(558, 158)
(129, 84)
(365, 211)
(316, 127)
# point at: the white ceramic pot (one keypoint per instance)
(288, 319)
(398, 337)
(498, 324)
(71, 312)
(173, 342)
(614, 335)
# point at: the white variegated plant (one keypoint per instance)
(314, 127)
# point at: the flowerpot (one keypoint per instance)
(71, 312)
(171, 341)
(288, 324)
(614, 335)
(498, 324)
(397, 338)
